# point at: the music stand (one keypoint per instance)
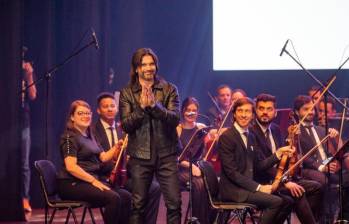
(198, 135)
(339, 155)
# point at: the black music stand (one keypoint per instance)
(340, 157)
(198, 135)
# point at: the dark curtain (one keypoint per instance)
(180, 32)
(11, 14)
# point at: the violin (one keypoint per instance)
(214, 158)
(293, 141)
(116, 172)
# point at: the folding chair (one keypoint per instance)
(48, 180)
(240, 210)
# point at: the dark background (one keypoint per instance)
(180, 32)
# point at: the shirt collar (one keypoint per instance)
(240, 129)
(307, 124)
(106, 125)
(264, 129)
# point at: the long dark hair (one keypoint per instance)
(137, 61)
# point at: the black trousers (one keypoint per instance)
(152, 203)
(142, 173)
(308, 206)
(201, 205)
(330, 198)
(117, 202)
(275, 209)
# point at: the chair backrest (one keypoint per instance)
(210, 180)
(48, 178)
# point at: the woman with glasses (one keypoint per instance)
(79, 177)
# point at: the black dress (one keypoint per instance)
(201, 206)
(117, 202)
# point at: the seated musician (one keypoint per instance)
(305, 194)
(311, 135)
(237, 94)
(79, 177)
(221, 107)
(107, 131)
(240, 158)
(187, 129)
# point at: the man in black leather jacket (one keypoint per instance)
(149, 112)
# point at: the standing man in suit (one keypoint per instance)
(240, 159)
(306, 195)
(107, 132)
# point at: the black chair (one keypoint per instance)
(239, 210)
(48, 180)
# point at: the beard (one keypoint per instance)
(264, 122)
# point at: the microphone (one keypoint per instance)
(95, 40)
(283, 49)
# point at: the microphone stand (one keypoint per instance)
(340, 156)
(47, 77)
(325, 102)
(191, 219)
(317, 80)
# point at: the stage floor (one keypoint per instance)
(38, 215)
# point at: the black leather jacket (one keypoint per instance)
(150, 127)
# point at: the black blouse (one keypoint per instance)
(85, 149)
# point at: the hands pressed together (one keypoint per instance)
(147, 97)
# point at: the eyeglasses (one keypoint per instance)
(81, 113)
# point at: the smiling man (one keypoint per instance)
(240, 160)
(149, 112)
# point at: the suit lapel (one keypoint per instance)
(102, 136)
(261, 139)
(275, 131)
(238, 137)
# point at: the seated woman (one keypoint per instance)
(79, 177)
(185, 130)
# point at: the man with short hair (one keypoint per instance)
(331, 113)
(240, 159)
(306, 195)
(107, 132)
(224, 102)
(311, 135)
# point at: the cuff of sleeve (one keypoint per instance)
(258, 187)
(321, 168)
